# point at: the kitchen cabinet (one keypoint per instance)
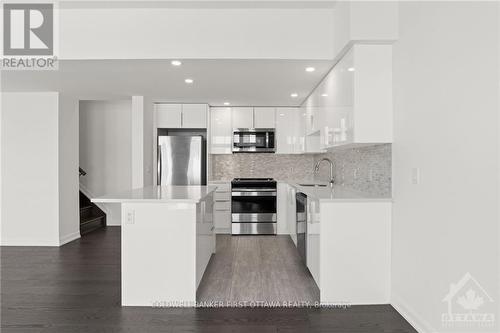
(168, 115)
(313, 238)
(289, 131)
(222, 207)
(353, 104)
(194, 115)
(205, 236)
(220, 130)
(264, 117)
(242, 117)
(250, 117)
(286, 207)
(181, 115)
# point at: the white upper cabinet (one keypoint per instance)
(250, 117)
(264, 117)
(242, 117)
(289, 131)
(181, 115)
(353, 104)
(221, 133)
(168, 115)
(194, 115)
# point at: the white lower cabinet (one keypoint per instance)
(222, 207)
(205, 236)
(313, 238)
(286, 211)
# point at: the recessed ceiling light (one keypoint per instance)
(227, 103)
(282, 114)
(176, 62)
(324, 95)
(351, 69)
(294, 95)
(310, 69)
(188, 81)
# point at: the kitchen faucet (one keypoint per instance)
(316, 169)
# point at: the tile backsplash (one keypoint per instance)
(282, 167)
(367, 169)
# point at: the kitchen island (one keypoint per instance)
(348, 240)
(167, 239)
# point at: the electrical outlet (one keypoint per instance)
(415, 176)
(355, 173)
(131, 217)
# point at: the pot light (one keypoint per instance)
(350, 69)
(310, 69)
(294, 95)
(188, 81)
(324, 95)
(227, 103)
(282, 114)
(176, 62)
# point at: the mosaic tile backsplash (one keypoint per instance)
(367, 169)
(281, 167)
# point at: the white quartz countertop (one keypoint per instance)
(159, 194)
(338, 193)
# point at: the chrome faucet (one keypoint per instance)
(316, 169)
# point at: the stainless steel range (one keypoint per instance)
(253, 206)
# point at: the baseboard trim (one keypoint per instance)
(69, 238)
(28, 242)
(415, 320)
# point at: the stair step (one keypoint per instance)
(91, 219)
(86, 211)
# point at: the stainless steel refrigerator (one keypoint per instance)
(181, 160)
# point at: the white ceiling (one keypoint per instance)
(240, 82)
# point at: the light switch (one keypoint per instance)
(131, 217)
(415, 176)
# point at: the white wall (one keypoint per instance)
(196, 33)
(69, 210)
(446, 124)
(30, 195)
(106, 150)
(363, 22)
(149, 139)
(137, 138)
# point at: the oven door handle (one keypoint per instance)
(253, 194)
(254, 189)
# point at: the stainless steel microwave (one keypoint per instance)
(254, 140)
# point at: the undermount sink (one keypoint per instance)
(313, 185)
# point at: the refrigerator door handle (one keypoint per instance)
(158, 165)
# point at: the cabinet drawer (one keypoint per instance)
(222, 206)
(222, 196)
(222, 219)
(222, 187)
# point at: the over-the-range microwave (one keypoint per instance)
(254, 140)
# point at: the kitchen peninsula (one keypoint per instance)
(167, 240)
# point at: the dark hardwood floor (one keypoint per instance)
(76, 288)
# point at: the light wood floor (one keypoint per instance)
(257, 269)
